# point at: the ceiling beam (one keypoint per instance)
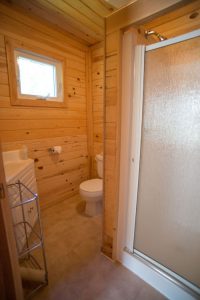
(138, 11)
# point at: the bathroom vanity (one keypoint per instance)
(19, 168)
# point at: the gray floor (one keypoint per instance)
(77, 269)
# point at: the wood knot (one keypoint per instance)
(194, 15)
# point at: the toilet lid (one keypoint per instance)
(92, 185)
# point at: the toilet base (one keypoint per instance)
(93, 208)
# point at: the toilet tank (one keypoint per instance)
(99, 160)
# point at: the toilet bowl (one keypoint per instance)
(91, 190)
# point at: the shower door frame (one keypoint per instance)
(125, 253)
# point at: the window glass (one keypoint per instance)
(36, 78)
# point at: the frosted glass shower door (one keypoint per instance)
(168, 204)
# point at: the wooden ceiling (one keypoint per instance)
(85, 19)
(82, 18)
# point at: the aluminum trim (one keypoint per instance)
(163, 273)
(174, 40)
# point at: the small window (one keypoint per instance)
(38, 77)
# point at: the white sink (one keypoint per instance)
(13, 168)
(14, 162)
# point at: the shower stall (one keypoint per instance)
(159, 226)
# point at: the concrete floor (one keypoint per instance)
(77, 269)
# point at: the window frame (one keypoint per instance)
(13, 48)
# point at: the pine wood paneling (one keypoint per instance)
(97, 57)
(58, 176)
(82, 19)
(138, 11)
(112, 115)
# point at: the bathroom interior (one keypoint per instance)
(66, 137)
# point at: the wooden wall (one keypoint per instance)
(97, 68)
(115, 24)
(58, 176)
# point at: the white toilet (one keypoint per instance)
(92, 190)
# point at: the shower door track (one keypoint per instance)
(170, 275)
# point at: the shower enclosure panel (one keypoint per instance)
(167, 225)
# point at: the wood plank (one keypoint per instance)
(98, 147)
(45, 124)
(97, 100)
(66, 181)
(69, 10)
(58, 159)
(110, 132)
(4, 90)
(46, 202)
(111, 79)
(189, 8)
(64, 167)
(99, 7)
(74, 82)
(73, 147)
(28, 134)
(89, 111)
(2, 42)
(111, 43)
(86, 11)
(111, 96)
(74, 64)
(39, 113)
(62, 23)
(3, 78)
(138, 11)
(111, 114)
(97, 53)
(3, 67)
(98, 107)
(38, 146)
(15, 14)
(110, 147)
(111, 62)
(98, 117)
(23, 33)
(179, 25)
